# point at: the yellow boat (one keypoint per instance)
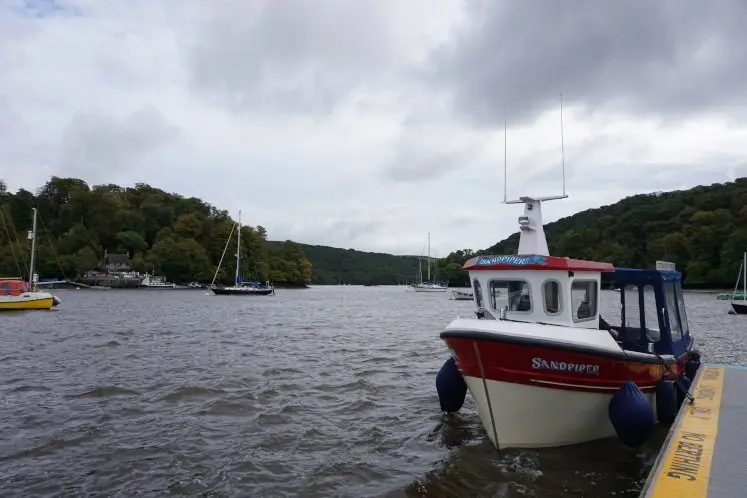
(28, 301)
(18, 294)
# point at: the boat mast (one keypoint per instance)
(32, 236)
(532, 238)
(429, 256)
(744, 275)
(238, 251)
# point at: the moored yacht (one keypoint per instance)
(429, 285)
(240, 287)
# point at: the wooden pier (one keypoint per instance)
(705, 453)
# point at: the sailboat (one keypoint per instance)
(740, 308)
(239, 287)
(18, 294)
(429, 286)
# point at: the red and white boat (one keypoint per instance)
(540, 361)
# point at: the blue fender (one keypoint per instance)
(666, 402)
(452, 390)
(631, 415)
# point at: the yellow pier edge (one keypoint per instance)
(683, 467)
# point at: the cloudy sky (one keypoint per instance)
(369, 123)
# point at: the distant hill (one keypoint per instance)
(702, 230)
(332, 265)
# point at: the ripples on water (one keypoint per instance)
(320, 392)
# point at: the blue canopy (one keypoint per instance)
(651, 300)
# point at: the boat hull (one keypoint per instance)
(521, 414)
(461, 296)
(430, 289)
(739, 309)
(539, 396)
(27, 301)
(242, 292)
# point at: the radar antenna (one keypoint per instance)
(532, 239)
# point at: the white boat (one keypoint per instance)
(536, 363)
(18, 294)
(462, 295)
(429, 286)
(542, 365)
(240, 287)
(155, 282)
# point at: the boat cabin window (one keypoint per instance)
(551, 295)
(674, 322)
(584, 300)
(632, 312)
(650, 314)
(513, 294)
(681, 307)
(478, 293)
(635, 329)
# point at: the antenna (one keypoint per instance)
(562, 142)
(505, 161)
(532, 240)
(523, 199)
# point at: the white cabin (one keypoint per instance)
(533, 286)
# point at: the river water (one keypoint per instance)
(326, 391)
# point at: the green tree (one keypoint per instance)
(183, 238)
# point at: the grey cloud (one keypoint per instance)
(424, 152)
(341, 232)
(95, 143)
(463, 218)
(353, 229)
(22, 150)
(303, 57)
(413, 163)
(669, 57)
(650, 177)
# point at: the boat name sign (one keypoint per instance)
(563, 366)
(511, 260)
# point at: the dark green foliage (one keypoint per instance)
(702, 230)
(333, 265)
(181, 238)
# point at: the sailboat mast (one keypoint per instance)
(238, 251)
(744, 275)
(429, 256)
(33, 249)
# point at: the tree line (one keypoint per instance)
(702, 230)
(178, 237)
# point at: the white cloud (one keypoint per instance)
(314, 119)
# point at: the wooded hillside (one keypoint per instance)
(702, 230)
(181, 238)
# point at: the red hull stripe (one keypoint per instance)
(555, 345)
(555, 368)
(534, 262)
